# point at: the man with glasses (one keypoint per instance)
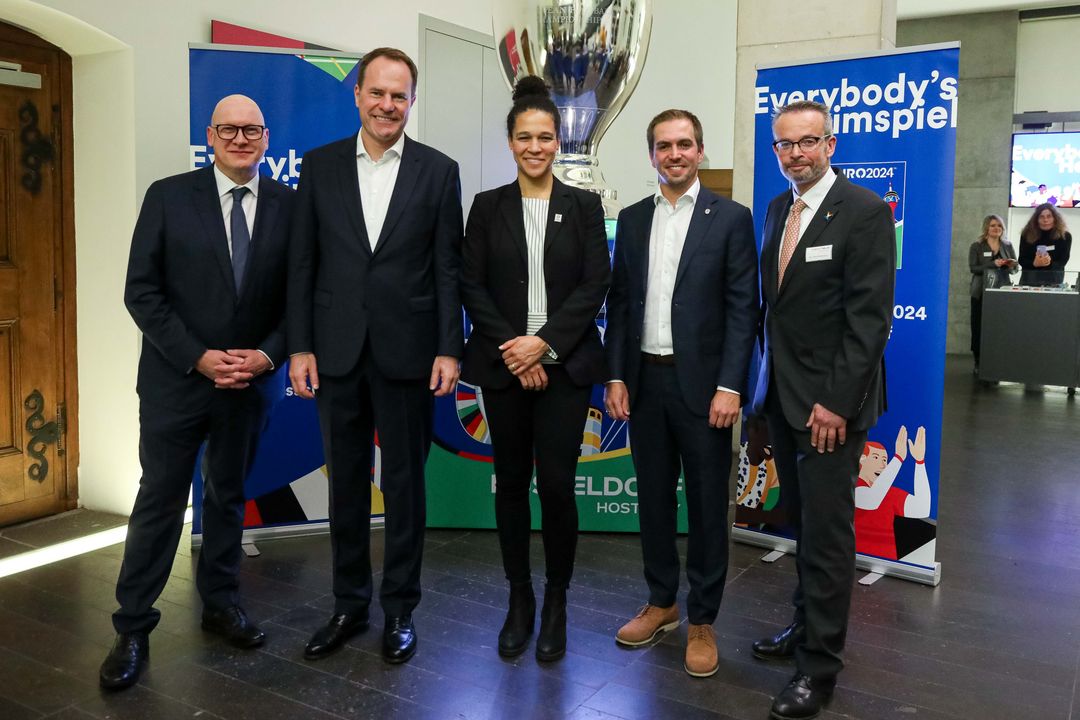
(827, 272)
(206, 286)
(375, 331)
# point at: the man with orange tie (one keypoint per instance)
(827, 274)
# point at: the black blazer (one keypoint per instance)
(826, 328)
(495, 282)
(402, 298)
(714, 308)
(180, 288)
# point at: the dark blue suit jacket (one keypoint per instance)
(180, 288)
(402, 298)
(714, 308)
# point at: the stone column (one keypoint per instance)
(775, 31)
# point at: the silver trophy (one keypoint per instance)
(590, 52)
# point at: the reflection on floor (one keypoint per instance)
(997, 639)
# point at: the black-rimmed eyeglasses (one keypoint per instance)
(228, 132)
(805, 144)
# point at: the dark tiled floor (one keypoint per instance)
(1000, 638)
(36, 534)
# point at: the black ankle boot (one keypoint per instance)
(551, 643)
(518, 628)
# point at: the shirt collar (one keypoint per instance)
(224, 184)
(395, 150)
(690, 196)
(815, 195)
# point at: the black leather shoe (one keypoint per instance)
(331, 636)
(398, 639)
(551, 642)
(125, 662)
(782, 645)
(518, 628)
(803, 698)
(232, 623)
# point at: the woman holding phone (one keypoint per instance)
(1044, 247)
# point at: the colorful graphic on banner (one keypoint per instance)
(894, 116)
(306, 101)
(460, 478)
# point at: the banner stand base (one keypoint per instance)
(870, 578)
(904, 571)
(283, 531)
(771, 557)
(250, 550)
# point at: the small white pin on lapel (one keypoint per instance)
(558, 217)
(708, 210)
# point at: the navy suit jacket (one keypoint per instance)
(402, 297)
(180, 288)
(827, 325)
(495, 282)
(714, 307)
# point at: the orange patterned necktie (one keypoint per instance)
(791, 238)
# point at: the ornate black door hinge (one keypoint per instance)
(42, 434)
(36, 148)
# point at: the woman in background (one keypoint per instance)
(1044, 247)
(535, 273)
(991, 260)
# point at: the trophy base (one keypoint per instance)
(583, 171)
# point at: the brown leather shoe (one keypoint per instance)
(701, 658)
(650, 622)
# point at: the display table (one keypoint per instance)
(1031, 336)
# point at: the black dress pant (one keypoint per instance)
(230, 422)
(351, 407)
(818, 491)
(666, 436)
(548, 425)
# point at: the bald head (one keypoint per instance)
(236, 104)
(238, 134)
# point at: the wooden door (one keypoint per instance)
(36, 317)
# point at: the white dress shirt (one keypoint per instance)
(249, 203)
(666, 240)
(377, 179)
(813, 199)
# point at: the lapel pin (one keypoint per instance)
(558, 217)
(829, 216)
(708, 210)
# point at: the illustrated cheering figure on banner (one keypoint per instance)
(878, 502)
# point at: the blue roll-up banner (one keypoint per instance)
(894, 115)
(307, 101)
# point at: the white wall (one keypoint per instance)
(1046, 80)
(131, 110)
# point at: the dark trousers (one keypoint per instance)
(664, 437)
(350, 408)
(818, 491)
(547, 425)
(169, 442)
(976, 327)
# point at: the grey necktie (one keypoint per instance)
(241, 239)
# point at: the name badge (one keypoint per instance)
(988, 254)
(819, 253)
(1049, 248)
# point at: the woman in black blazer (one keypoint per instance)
(535, 272)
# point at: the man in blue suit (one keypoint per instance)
(206, 286)
(375, 329)
(681, 320)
